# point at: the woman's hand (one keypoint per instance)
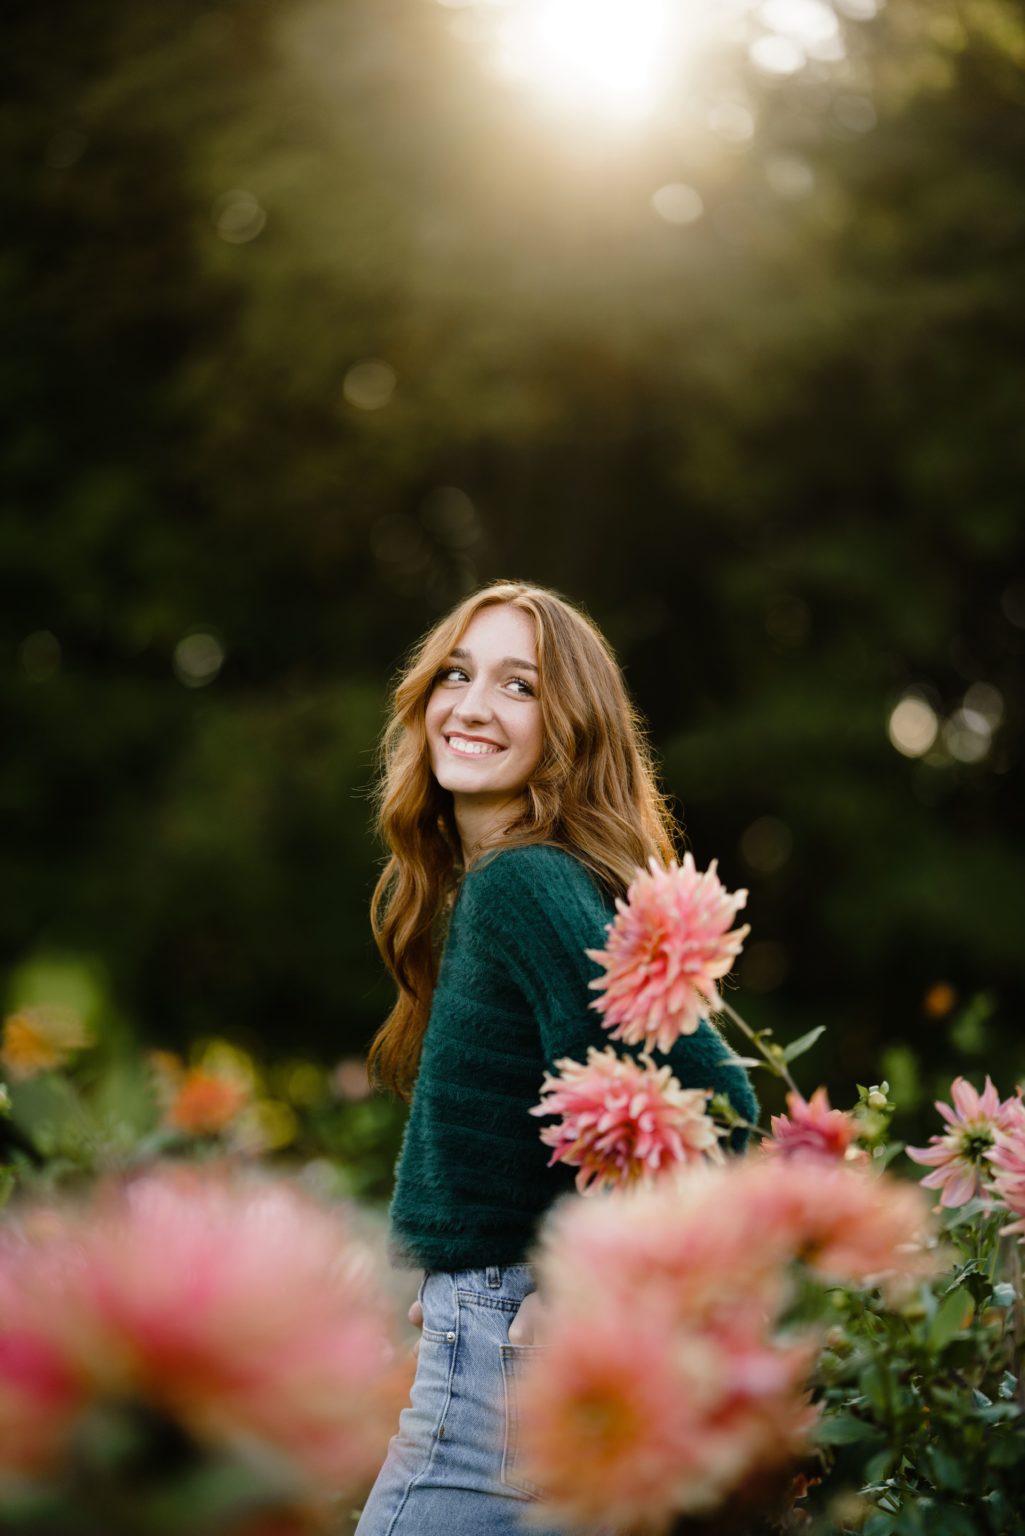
(527, 1325)
(416, 1317)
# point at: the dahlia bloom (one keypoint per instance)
(812, 1126)
(845, 1223)
(622, 1122)
(628, 1420)
(668, 946)
(239, 1309)
(1007, 1160)
(41, 1039)
(959, 1158)
(668, 1382)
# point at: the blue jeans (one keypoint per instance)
(452, 1469)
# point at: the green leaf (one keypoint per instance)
(845, 1429)
(880, 1466)
(879, 1524)
(746, 1061)
(948, 1471)
(970, 1267)
(954, 1314)
(1008, 1386)
(804, 1043)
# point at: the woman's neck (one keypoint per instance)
(480, 822)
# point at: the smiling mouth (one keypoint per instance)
(464, 747)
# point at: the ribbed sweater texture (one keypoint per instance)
(512, 998)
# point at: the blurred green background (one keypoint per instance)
(318, 315)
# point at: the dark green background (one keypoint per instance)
(777, 453)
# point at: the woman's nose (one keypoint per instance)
(472, 703)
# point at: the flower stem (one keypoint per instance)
(773, 1058)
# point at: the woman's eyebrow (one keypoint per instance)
(507, 661)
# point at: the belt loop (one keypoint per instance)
(493, 1278)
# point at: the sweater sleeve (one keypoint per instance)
(539, 910)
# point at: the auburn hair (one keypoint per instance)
(594, 793)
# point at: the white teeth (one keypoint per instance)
(471, 748)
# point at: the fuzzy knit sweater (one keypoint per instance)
(512, 998)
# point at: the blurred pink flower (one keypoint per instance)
(238, 1307)
(622, 1122)
(1007, 1160)
(625, 1421)
(845, 1222)
(959, 1157)
(812, 1126)
(666, 1382)
(668, 946)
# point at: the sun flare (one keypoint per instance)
(612, 54)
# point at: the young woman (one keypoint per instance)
(517, 799)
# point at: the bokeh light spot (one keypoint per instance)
(775, 55)
(985, 700)
(967, 736)
(677, 203)
(369, 384)
(858, 10)
(808, 23)
(238, 216)
(731, 121)
(912, 726)
(198, 658)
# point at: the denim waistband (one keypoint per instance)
(505, 1280)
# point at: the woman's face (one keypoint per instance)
(483, 715)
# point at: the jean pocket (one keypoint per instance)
(514, 1358)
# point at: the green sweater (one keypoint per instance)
(511, 999)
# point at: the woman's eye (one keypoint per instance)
(451, 674)
(521, 686)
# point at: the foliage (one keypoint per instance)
(775, 451)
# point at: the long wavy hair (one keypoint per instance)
(594, 793)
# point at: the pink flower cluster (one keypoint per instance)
(239, 1308)
(812, 1126)
(668, 1381)
(977, 1124)
(670, 944)
(1007, 1160)
(623, 1122)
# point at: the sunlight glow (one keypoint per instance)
(612, 53)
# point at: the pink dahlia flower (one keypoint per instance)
(811, 1125)
(845, 1222)
(959, 1158)
(668, 946)
(629, 1421)
(669, 1382)
(621, 1122)
(238, 1308)
(666, 1383)
(1007, 1161)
